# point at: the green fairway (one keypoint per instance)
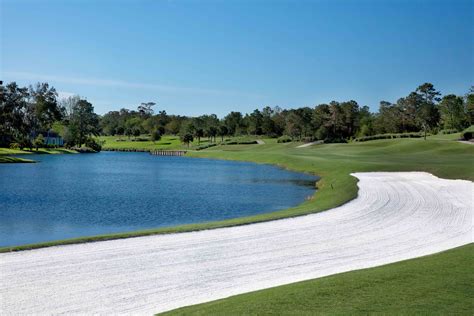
(165, 143)
(437, 284)
(123, 142)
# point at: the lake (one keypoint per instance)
(66, 196)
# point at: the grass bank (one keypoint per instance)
(438, 284)
(6, 154)
(333, 163)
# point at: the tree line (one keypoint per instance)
(24, 112)
(423, 110)
(28, 114)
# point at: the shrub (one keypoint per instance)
(241, 142)
(14, 146)
(448, 131)
(467, 135)
(84, 150)
(335, 140)
(388, 136)
(284, 139)
(156, 135)
(205, 146)
(321, 133)
(92, 144)
(39, 141)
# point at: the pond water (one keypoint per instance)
(65, 196)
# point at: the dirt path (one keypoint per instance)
(310, 144)
(397, 216)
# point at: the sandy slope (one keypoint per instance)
(396, 216)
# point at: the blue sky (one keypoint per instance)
(196, 57)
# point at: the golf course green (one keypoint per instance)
(439, 284)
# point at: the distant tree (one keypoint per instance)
(335, 123)
(469, 103)
(350, 110)
(146, 109)
(120, 130)
(173, 126)
(39, 141)
(67, 104)
(293, 125)
(268, 125)
(15, 119)
(453, 115)
(319, 118)
(187, 139)
(255, 121)
(136, 132)
(428, 113)
(45, 105)
(83, 122)
(198, 133)
(156, 135)
(234, 123)
(222, 131)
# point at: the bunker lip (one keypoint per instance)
(396, 216)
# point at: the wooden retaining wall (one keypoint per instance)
(126, 150)
(168, 152)
(153, 152)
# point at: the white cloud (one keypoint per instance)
(120, 83)
(65, 94)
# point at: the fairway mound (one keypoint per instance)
(396, 216)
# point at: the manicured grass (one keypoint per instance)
(116, 142)
(333, 163)
(165, 143)
(5, 154)
(454, 136)
(438, 284)
(8, 159)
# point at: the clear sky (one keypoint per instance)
(196, 57)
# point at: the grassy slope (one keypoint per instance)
(436, 284)
(334, 163)
(5, 154)
(440, 283)
(166, 142)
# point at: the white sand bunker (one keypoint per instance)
(397, 216)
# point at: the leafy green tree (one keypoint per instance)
(234, 123)
(15, 117)
(146, 109)
(428, 113)
(173, 126)
(335, 124)
(222, 132)
(350, 110)
(268, 125)
(39, 141)
(293, 125)
(255, 120)
(45, 105)
(470, 105)
(156, 135)
(187, 138)
(83, 122)
(453, 115)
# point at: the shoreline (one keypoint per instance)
(335, 186)
(251, 257)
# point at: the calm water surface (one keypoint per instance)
(65, 196)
